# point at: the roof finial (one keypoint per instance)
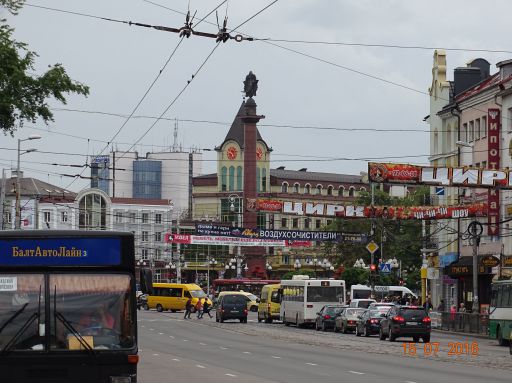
(250, 85)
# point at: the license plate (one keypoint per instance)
(412, 323)
(234, 311)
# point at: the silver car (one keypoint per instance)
(347, 320)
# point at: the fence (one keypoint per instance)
(461, 322)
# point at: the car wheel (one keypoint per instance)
(392, 337)
(365, 332)
(221, 320)
(357, 331)
(415, 339)
(324, 329)
(284, 320)
(344, 329)
(159, 308)
(270, 320)
(145, 306)
(381, 334)
(426, 339)
(336, 329)
(216, 319)
(317, 328)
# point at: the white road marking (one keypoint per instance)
(276, 357)
(160, 333)
(223, 348)
(311, 364)
(155, 354)
(356, 372)
(176, 360)
(233, 376)
(409, 381)
(185, 340)
(202, 344)
(199, 366)
(170, 336)
(246, 352)
(142, 326)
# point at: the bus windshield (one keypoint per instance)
(361, 294)
(325, 294)
(197, 294)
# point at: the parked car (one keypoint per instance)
(251, 299)
(347, 320)
(231, 306)
(369, 322)
(381, 306)
(407, 321)
(325, 317)
(361, 303)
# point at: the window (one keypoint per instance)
(239, 178)
(223, 179)
(284, 222)
(352, 191)
(145, 217)
(307, 189)
(133, 217)
(295, 223)
(509, 119)
(158, 236)
(258, 179)
(158, 218)
(329, 190)
(318, 189)
(477, 129)
(145, 236)
(118, 217)
(483, 127)
(144, 254)
(158, 254)
(318, 223)
(285, 259)
(471, 131)
(64, 216)
(296, 188)
(329, 222)
(464, 132)
(231, 178)
(307, 223)
(341, 191)
(284, 188)
(8, 217)
(484, 164)
(47, 217)
(264, 180)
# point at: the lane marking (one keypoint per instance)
(409, 381)
(276, 357)
(155, 354)
(356, 372)
(202, 344)
(199, 366)
(246, 352)
(160, 333)
(170, 336)
(151, 329)
(176, 360)
(311, 364)
(185, 340)
(233, 376)
(223, 348)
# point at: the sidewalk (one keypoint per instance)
(468, 334)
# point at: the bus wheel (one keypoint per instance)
(145, 306)
(159, 308)
(173, 310)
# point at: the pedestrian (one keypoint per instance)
(188, 308)
(206, 309)
(428, 305)
(199, 308)
(440, 307)
(462, 308)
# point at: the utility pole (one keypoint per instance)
(475, 230)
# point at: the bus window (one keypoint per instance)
(176, 292)
(325, 294)
(276, 297)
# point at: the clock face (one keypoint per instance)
(259, 153)
(231, 152)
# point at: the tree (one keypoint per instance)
(354, 276)
(23, 96)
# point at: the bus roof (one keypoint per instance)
(313, 282)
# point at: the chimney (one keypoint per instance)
(466, 77)
(14, 173)
(303, 169)
(505, 68)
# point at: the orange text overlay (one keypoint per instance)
(432, 349)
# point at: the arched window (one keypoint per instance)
(307, 189)
(92, 212)
(341, 191)
(239, 178)
(329, 190)
(318, 189)
(264, 179)
(284, 187)
(363, 189)
(351, 191)
(223, 179)
(231, 178)
(296, 188)
(258, 179)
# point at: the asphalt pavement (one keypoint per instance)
(173, 349)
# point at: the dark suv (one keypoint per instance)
(406, 321)
(231, 306)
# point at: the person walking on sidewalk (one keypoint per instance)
(188, 308)
(199, 308)
(206, 309)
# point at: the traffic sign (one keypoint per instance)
(372, 247)
(385, 268)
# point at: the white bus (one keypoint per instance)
(500, 312)
(302, 299)
(379, 292)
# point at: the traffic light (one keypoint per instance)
(401, 282)
(373, 268)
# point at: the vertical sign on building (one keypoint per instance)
(493, 142)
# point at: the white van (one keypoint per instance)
(361, 303)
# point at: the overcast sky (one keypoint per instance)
(119, 62)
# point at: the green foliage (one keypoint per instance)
(354, 276)
(290, 274)
(24, 97)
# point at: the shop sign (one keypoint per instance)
(489, 261)
(507, 261)
(493, 153)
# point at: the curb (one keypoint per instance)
(481, 336)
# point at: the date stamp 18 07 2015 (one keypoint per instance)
(432, 349)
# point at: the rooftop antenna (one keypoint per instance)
(175, 136)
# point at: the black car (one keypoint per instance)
(369, 322)
(231, 306)
(402, 321)
(326, 316)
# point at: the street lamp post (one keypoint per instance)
(314, 262)
(17, 224)
(297, 265)
(232, 198)
(268, 266)
(210, 262)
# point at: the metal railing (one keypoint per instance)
(460, 322)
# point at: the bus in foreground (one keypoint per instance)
(500, 312)
(303, 298)
(252, 286)
(67, 307)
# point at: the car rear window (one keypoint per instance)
(234, 299)
(333, 310)
(413, 313)
(354, 311)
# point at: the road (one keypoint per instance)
(173, 349)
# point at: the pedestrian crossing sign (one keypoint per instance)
(385, 268)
